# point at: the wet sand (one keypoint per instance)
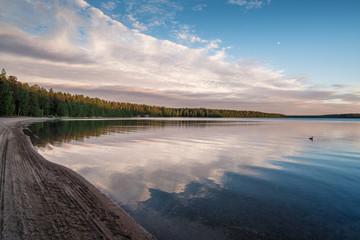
(43, 200)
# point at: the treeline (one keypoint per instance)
(20, 99)
(346, 115)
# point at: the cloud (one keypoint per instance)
(19, 44)
(144, 15)
(250, 4)
(339, 86)
(109, 5)
(199, 7)
(80, 50)
(136, 24)
(186, 35)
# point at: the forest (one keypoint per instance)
(21, 99)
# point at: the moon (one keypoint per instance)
(278, 43)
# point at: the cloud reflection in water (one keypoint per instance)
(260, 174)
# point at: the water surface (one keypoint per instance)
(219, 179)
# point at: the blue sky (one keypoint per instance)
(310, 38)
(295, 57)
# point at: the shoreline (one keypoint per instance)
(40, 199)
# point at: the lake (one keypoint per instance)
(219, 178)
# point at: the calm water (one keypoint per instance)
(230, 179)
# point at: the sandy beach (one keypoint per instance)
(43, 200)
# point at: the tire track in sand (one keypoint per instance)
(2, 182)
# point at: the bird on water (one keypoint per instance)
(311, 138)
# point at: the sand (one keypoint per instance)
(43, 200)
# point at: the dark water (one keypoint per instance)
(231, 179)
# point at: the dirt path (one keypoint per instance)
(43, 200)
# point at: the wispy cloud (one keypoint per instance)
(135, 23)
(108, 5)
(148, 14)
(249, 4)
(187, 36)
(199, 7)
(339, 86)
(81, 50)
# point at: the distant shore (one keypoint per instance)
(42, 200)
(347, 115)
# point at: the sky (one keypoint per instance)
(283, 56)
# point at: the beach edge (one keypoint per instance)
(41, 199)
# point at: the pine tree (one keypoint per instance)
(23, 103)
(6, 105)
(34, 109)
(62, 110)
